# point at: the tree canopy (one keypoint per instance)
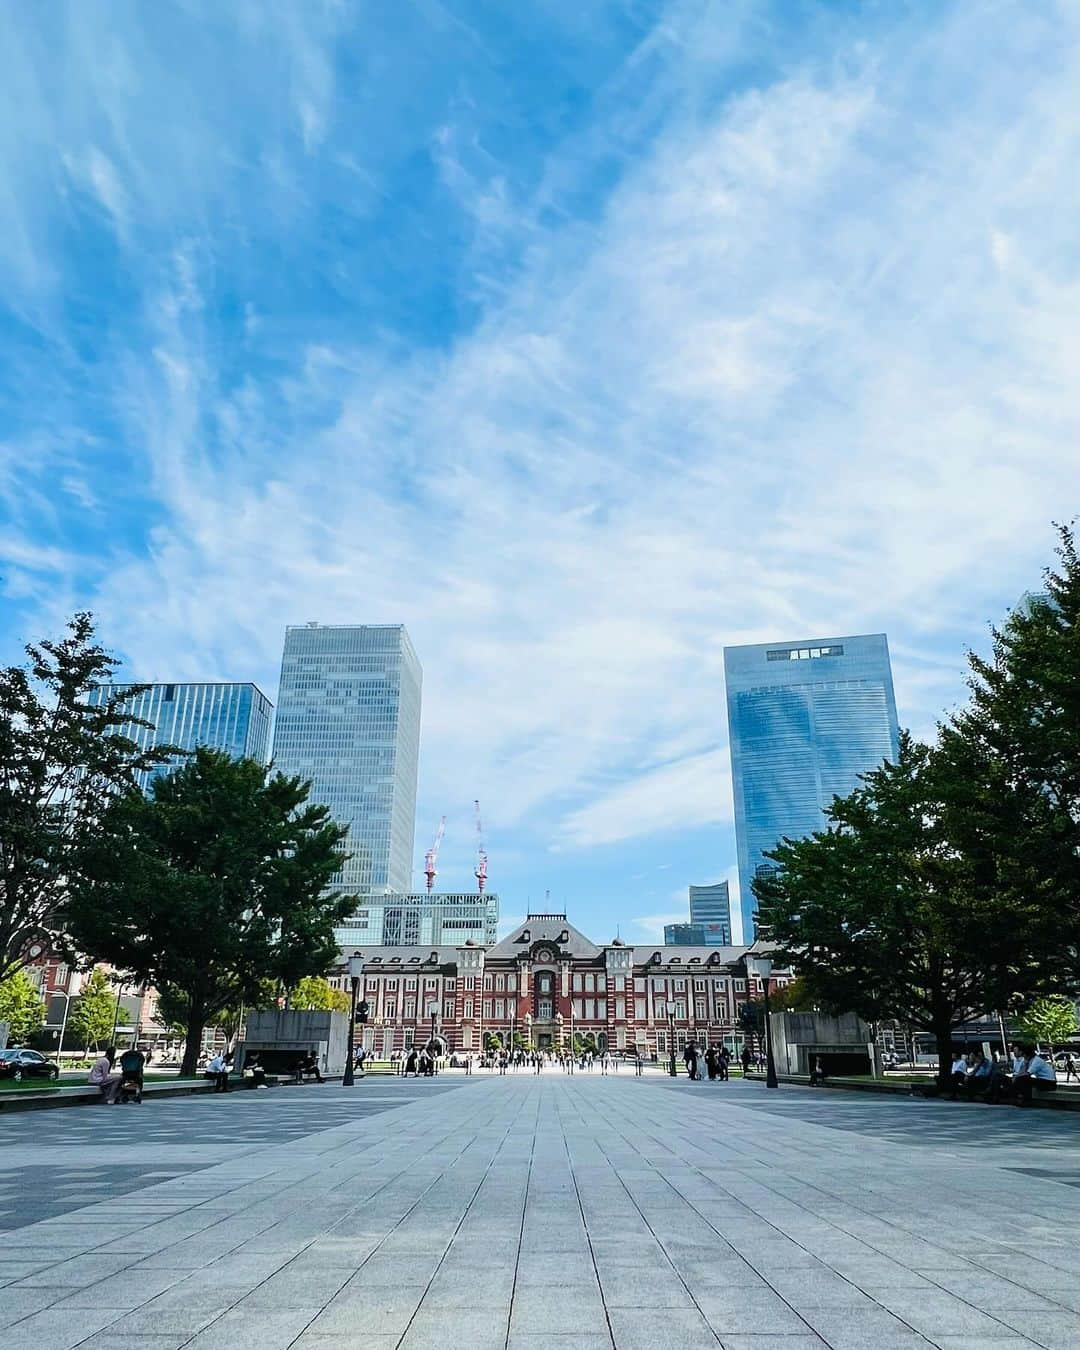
(1050, 1020)
(900, 908)
(21, 1007)
(313, 993)
(96, 1011)
(212, 884)
(61, 759)
(948, 883)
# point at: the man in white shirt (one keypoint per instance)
(1037, 1074)
(218, 1070)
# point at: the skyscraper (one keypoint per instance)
(805, 719)
(425, 918)
(348, 718)
(230, 717)
(710, 906)
(710, 919)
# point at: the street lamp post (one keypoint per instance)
(761, 966)
(356, 969)
(431, 1046)
(116, 1013)
(673, 1068)
(63, 1029)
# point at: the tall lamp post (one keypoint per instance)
(356, 969)
(761, 966)
(63, 1028)
(431, 1045)
(673, 1068)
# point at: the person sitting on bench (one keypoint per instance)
(102, 1076)
(1036, 1074)
(978, 1077)
(254, 1074)
(218, 1070)
(307, 1066)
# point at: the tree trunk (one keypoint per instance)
(943, 1031)
(193, 1044)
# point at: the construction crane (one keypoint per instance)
(431, 857)
(481, 856)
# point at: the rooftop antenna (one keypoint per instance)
(481, 856)
(431, 857)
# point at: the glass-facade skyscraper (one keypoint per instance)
(230, 717)
(710, 919)
(805, 720)
(348, 718)
(710, 906)
(427, 918)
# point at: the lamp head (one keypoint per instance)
(356, 965)
(761, 966)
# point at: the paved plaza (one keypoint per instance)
(550, 1213)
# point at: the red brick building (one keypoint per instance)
(547, 982)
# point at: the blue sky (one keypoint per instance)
(583, 339)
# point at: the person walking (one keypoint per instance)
(102, 1076)
(724, 1063)
(712, 1063)
(745, 1059)
(689, 1055)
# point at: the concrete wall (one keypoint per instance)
(327, 1033)
(797, 1037)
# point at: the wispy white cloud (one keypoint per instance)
(803, 365)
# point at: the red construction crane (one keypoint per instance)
(481, 856)
(431, 857)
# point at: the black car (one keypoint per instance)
(20, 1064)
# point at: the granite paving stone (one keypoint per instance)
(585, 1213)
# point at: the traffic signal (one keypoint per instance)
(362, 1010)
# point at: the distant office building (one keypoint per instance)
(1030, 599)
(348, 718)
(805, 720)
(710, 907)
(428, 917)
(684, 935)
(710, 919)
(230, 717)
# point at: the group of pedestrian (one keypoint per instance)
(716, 1059)
(420, 1063)
(1016, 1077)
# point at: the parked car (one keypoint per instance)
(20, 1064)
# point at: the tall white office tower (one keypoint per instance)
(348, 718)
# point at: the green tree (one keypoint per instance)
(96, 1011)
(1049, 1020)
(60, 762)
(1024, 713)
(313, 993)
(792, 997)
(903, 907)
(214, 883)
(21, 1007)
